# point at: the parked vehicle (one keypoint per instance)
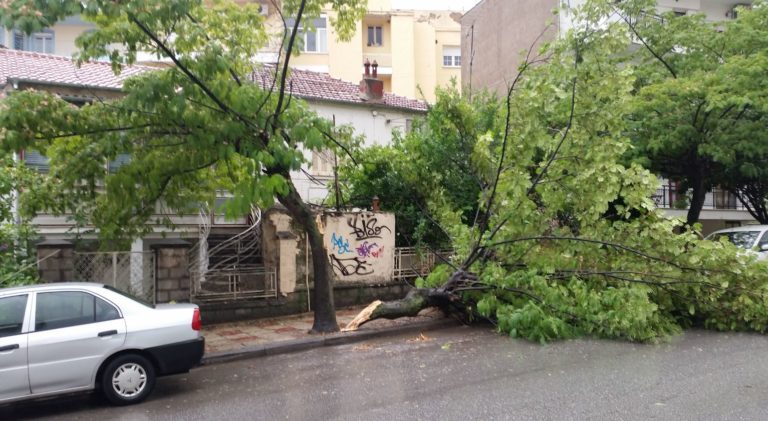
(66, 337)
(748, 237)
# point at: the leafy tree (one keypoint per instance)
(17, 262)
(699, 112)
(548, 263)
(191, 129)
(439, 157)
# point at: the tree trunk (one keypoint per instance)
(699, 194)
(322, 296)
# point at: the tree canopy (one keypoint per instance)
(191, 129)
(701, 96)
(569, 242)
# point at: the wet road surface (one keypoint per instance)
(460, 373)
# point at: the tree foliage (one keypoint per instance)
(17, 262)
(570, 242)
(439, 157)
(699, 115)
(191, 129)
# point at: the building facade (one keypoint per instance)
(417, 48)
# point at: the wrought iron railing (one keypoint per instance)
(234, 283)
(667, 197)
(411, 262)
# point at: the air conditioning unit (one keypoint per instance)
(733, 13)
(264, 9)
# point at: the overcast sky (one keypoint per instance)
(458, 5)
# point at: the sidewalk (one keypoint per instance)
(251, 338)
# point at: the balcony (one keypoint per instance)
(717, 199)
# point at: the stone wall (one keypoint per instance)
(345, 295)
(57, 261)
(172, 273)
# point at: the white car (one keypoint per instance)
(66, 337)
(748, 237)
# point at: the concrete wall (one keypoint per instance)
(494, 33)
(361, 246)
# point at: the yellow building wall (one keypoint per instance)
(443, 75)
(346, 58)
(65, 38)
(403, 56)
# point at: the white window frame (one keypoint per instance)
(39, 42)
(451, 56)
(320, 35)
(375, 36)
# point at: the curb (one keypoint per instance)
(297, 345)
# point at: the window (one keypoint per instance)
(313, 40)
(36, 160)
(12, 314)
(322, 162)
(451, 57)
(56, 310)
(120, 160)
(41, 42)
(763, 240)
(375, 36)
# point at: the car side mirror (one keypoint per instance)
(764, 247)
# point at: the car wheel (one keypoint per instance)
(128, 379)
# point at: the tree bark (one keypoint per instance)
(699, 194)
(322, 295)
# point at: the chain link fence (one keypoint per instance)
(132, 272)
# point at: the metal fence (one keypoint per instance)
(234, 283)
(411, 262)
(132, 272)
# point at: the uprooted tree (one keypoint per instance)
(190, 129)
(566, 240)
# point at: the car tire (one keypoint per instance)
(127, 379)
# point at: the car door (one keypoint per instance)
(73, 332)
(13, 346)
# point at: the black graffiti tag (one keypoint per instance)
(351, 266)
(365, 228)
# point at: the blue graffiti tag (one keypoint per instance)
(339, 245)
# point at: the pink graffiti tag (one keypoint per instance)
(370, 250)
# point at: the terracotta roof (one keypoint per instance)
(321, 86)
(59, 70)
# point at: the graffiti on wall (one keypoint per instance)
(360, 245)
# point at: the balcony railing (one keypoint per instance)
(717, 199)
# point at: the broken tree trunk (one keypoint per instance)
(416, 300)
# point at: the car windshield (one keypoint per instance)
(126, 295)
(743, 239)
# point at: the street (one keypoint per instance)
(460, 373)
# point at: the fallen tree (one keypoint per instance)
(566, 240)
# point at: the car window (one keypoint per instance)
(763, 240)
(12, 314)
(56, 310)
(105, 311)
(743, 239)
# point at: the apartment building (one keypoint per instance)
(495, 32)
(417, 45)
(58, 39)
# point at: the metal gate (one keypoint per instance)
(132, 272)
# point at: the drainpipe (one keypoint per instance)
(306, 271)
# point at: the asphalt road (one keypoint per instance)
(460, 373)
